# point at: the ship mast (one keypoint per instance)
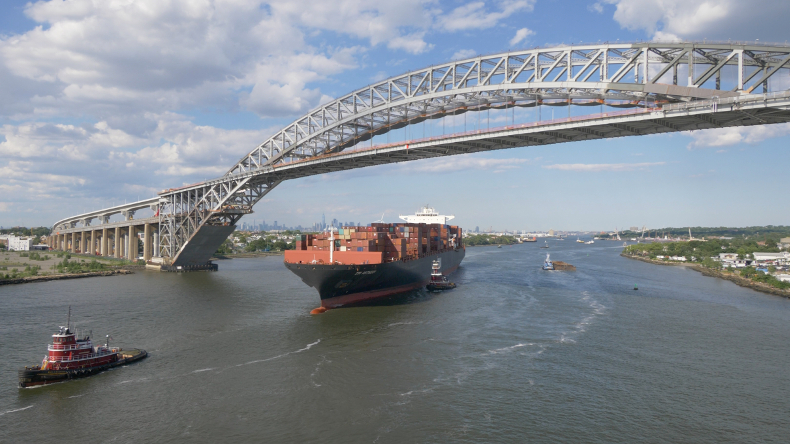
(331, 244)
(68, 320)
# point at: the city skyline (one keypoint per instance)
(112, 117)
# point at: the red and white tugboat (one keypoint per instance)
(438, 281)
(71, 358)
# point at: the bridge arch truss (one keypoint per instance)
(670, 79)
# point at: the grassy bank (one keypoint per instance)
(732, 276)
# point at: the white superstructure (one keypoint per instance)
(427, 215)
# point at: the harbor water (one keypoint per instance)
(514, 354)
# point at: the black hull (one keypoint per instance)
(33, 377)
(344, 285)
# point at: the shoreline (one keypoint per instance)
(737, 280)
(58, 277)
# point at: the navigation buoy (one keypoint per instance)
(635, 287)
(318, 311)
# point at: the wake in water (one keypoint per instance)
(581, 326)
(317, 368)
(507, 349)
(308, 347)
(16, 410)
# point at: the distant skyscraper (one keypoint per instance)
(477, 229)
(323, 220)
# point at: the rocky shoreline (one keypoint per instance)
(57, 277)
(737, 280)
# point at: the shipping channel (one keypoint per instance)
(514, 354)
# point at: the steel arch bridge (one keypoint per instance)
(666, 87)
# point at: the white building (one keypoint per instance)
(728, 257)
(19, 243)
(772, 257)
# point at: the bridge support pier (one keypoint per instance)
(82, 241)
(104, 242)
(147, 242)
(93, 243)
(117, 242)
(131, 249)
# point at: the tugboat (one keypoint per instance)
(438, 281)
(547, 264)
(71, 358)
(545, 246)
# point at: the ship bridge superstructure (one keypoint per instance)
(631, 89)
(426, 215)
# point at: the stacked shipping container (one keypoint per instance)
(376, 243)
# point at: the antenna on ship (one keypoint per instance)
(68, 320)
(380, 220)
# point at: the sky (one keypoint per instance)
(110, 101)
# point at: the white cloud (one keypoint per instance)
(731, 136)
(475, 15)
(595, 7)
(412, 43)
(521, 34)
(463, 54)
(671, 20)
(595, 167)
(437, 165)
(95, 97)
(461, 163)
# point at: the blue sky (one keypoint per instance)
(110, 101)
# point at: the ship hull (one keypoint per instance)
(31, 377)
(347, 285)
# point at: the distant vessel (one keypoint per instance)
(590, 242)
(579, 240)
(71, 358)
(534, 239)
(545, 246)
(438, 281)
(547, 264)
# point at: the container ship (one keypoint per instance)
(354, 265)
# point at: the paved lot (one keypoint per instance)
(13, 259)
